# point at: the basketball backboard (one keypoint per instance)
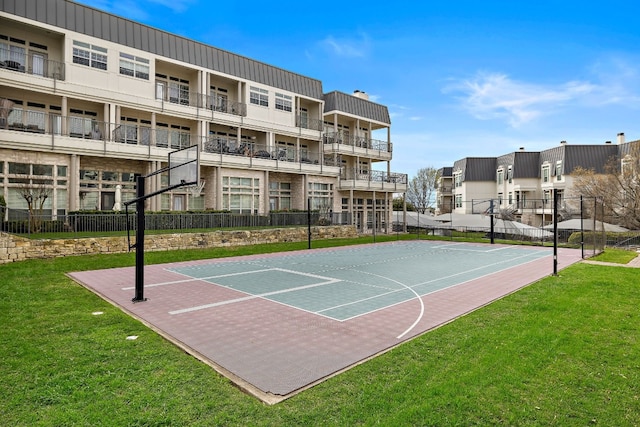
(184, 166)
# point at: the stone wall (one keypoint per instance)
(14, 248)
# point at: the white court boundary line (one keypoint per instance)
(427, 282)
(326, 281)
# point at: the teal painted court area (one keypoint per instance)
(277, 324)
(343, 284)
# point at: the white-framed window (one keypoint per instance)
(240, 195)
(500, 176)
(12, 53)
(279, 196)
(559, 170)
(219, 99)
(510, 198)
(457, 179)
(458, 200)
(500, 198)
(134, 66)
(258, 96)
(321, 195)
(172, 89)
(283, 102)
(89, 55)
(510, 174)
(545, 173)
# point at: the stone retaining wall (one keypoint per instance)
(14, 248)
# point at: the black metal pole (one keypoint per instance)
(555, 231)
(139, 294)
(491, 220)
(309, 222)
(581, 228)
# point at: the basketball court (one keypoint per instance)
(277, 324)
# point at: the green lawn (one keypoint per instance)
(563, 351)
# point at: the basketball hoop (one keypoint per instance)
(196, 190)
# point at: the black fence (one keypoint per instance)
(24, 223)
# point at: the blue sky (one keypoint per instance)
(461, 79)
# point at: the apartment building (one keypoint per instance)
(522, 183)
(90, 100)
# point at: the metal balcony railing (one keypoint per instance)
(373, 176)
(303, 121)
(32, 63)
(215, 103)
(357, 141)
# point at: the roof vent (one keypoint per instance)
(360, 94)
(521, 148)
(621, 138)
(607, 142)
(563, 142)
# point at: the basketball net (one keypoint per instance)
(196, 190)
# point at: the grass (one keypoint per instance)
(618, 256)
(563, 351)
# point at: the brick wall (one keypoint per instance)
(14, 248)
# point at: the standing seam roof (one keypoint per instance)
(96, 23)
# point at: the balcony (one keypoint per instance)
(357, 146)
(215, 103)
(372, 180)
(303, 121)
(279, 157)
(33, 64)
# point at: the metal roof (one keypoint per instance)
(477, 168)
(102, 25)
(594, 157)
(341, 102)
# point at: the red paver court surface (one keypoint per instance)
(277, 324)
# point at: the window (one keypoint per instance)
(457, 178)
(458, 200)
(98, 188)
(89, 55)
(259, 96)
(172, 89)
(559, 170)
(219, 99)
(321, 195)
(545, 173)
(510, 198)
(283, 102)
(240, 195)
(500, 177)
(12, 54)
(279, 196)
(510, 174)
(500, 198)
(134, 66)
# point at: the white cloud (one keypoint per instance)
(347, 47)
(496, 96)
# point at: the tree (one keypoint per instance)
(398, 205)
(618, 188)
(36, 195)
(421, 189)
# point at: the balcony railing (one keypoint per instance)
(303, 121)
(373, 176)
(357, 142)
(215, 103)
(233, 147)
(31, 64)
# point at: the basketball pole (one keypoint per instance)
(139, 201)
(555, 231)
(309, 223)
(139, 293)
